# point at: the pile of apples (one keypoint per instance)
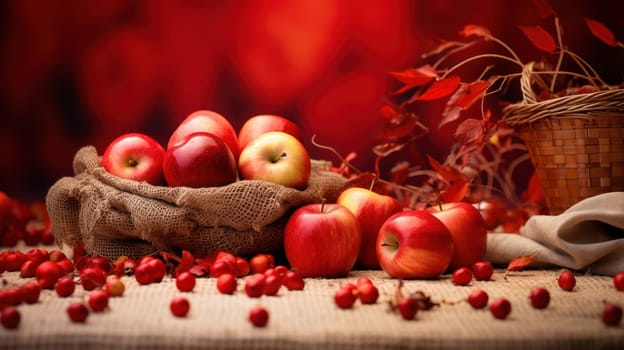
(205, 151)
(23, 222)
(369, 230)
(362, 228)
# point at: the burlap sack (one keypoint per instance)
(113, 217)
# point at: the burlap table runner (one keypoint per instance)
(309, 319)
(112, 216)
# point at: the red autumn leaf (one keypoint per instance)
(544, 10)
(475, 29)
(456, 192)
(186, 263)
(519, 263)
(448, 173)
(439, 89)
(470, 131)
(601, 32)
(540, 38)
(414, 77)
(464, 97)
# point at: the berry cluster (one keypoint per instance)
(261, 277)
(23, 222)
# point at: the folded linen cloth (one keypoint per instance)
(587, 236)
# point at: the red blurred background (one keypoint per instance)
(79, 72)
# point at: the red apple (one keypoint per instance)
(467, 228)
(199, 160)
(322, 240)
(206, 121)
(260, 124)
(135, 156)
(372, 210)
(414, 244)
(276, 157)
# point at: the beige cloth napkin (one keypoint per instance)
(588, 236)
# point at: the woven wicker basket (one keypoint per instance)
(576, 142)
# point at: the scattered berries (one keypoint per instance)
(478, 299)
(179, 306)
(226, 283)
(292, 280)
(462, 276)
(77, 312)
(30, 292)
(482, 270)
(10, 317)
(500, 308)
(408, 308)
(566, 280)
(540, 298)
(345, 297)
(185, 282)
(98, 300)
(254, 286)
(65, 287)
(612, 314)
(367, 292)
(258, 316)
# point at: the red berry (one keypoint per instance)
(540, 298)
(566, 280)
(367, 293)
(92, 277)
(98, 300)
(30, 292)
(114, 286)
(241, 267)
(77, 312)
(612, 314)
(272, 284)
(462, 276)
(293, 281)
(65, 287)
(261, 262)
(11, 296)
(10, 317)
(618, 281)
(142, 274)
(66, 266)
(363, 280)
(47, 273)
(478, 299)
(226, 283)
(254, 286)
(221, 267)
(28, 269)
(408, 308)
(179, 306)
(500, 308)
(482, 270)
(345, 297)
(258, 316)
(185, 282)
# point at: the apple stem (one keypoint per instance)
(323, 205)
(372, 185)
(132, 162)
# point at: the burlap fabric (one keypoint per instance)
(309, 319)
(112, 216)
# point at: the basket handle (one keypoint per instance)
(528, 95)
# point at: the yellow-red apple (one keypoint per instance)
(372, 210)
(276, 157)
